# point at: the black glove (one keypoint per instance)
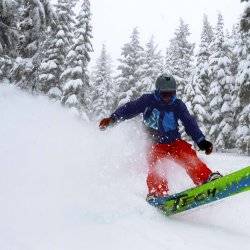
(206, 146)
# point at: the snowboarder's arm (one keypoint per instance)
(190, 124)
(192, 129)
(127, 111)
(131, 109)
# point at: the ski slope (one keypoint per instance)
(65, 185)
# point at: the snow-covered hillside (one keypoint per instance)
(65, 185)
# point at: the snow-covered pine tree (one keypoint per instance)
(131, 61)
(233, 43)
(179, 57)
(55, 49)
(204, 52)
(245, 18)
(189, 95)
(226, 138)
(220, 90)
(72, 82)
(34, 17)
(243, 82)
(7, 32)
(195, 101)
(232, 40)
(8, 26)
(51, 67)
(168, 62)
(201, 77)
(66, 18)
(179, 63)
(75, 77)
(153, 65)
(5, 66)
(102, 87)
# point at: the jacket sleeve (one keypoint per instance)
(131, 109)
(189, 122)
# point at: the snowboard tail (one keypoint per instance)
(223, 187)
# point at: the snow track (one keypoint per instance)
(65, 185)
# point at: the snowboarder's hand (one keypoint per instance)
(104, 123)
(206, 146)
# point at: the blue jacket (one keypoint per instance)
(161, 118)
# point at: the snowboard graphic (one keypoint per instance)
(223, 187)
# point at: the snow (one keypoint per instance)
(72, 99)
(55, 92)
(77, 70)
(1, 48)
(242, 131)
(50, 65)
(225, 107)
(72, 84)
(223, 61)
(59, 43)
(60, 33)
(46, 77)
(221, 74)
(71, 54)
(66, 185)
(198, 99)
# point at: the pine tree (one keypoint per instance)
(153, 65)
(103, 91)
(201, 74)
(189, 95)
(51, 67)
(245, 19)
(179, 57)
(167, 62)
(201, 83)
(243, 82)
(196, 101)
(5, 66)
(75, 77)
(54, 51)
(131, 61)
(72, 82)
(7, 32)
(179, 63)
(66, 18)
(220, 90)
(8, 27)
(232, 42)
(34, 18)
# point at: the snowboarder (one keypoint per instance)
(161, 112)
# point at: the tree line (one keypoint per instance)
(46, 49)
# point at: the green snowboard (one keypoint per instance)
(223, 187)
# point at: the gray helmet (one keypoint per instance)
(166, 83)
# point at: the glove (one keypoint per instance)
(104, 123)
(206, 146)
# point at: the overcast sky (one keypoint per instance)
(114, 20)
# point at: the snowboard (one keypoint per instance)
(228, 185)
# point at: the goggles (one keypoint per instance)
(167, 93)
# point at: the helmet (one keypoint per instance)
(166, 83)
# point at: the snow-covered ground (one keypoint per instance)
(65, 185)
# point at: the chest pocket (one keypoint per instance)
(169, 121)
(152, 120)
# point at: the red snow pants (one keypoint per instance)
(182, 153)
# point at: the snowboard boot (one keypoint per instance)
(214, 176)
(153, 196)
